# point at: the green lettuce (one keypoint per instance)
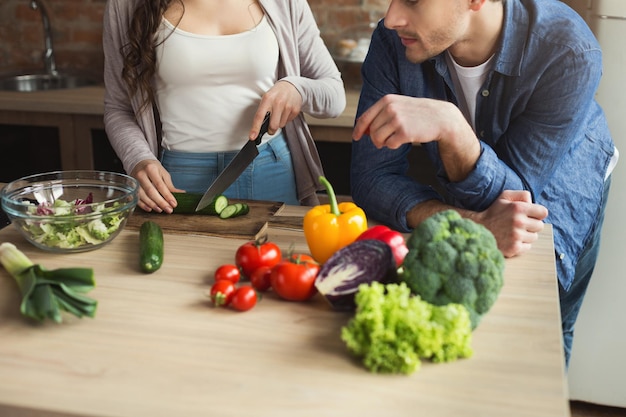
(66, 231)
(393, 330)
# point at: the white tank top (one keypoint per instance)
(209, 87)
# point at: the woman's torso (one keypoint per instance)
(212, 72)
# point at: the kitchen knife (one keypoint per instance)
(234, 169)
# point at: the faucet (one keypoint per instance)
(48, 53)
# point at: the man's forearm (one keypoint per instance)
(459, 148)
(422, 211)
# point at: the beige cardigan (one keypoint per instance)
(304, 61)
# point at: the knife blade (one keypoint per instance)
(234, 169)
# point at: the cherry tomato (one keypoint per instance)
(260, 278)
(254, 254)
(301, 258)
(394, 239)
(293, 279)
(222, 293)
(227, 272)
(244, 298)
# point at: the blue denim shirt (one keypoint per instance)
(538, 123)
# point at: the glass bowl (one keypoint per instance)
(70, 211)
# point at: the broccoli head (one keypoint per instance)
(452, 259)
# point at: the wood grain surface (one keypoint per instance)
(157, 348)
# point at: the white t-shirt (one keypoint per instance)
(208, 87)
(467, 82)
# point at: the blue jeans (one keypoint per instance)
(572, 300)
(269, 177)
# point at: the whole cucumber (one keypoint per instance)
(150, 247)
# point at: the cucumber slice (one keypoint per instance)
(242, 208)
(218, 204)
(229, 211)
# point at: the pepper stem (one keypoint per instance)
(334, 208)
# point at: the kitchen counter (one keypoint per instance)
(157, 348)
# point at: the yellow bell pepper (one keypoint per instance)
(330, 227)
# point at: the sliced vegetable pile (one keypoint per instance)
(73, 233)
(220, 206)
(46, 293)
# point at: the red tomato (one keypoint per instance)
(293, 279)
(222, 293)
(227, 272)
(244, 298)
(255, 254)
(260, 278)
(301, 258)
(394, 239)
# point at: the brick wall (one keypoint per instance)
(77, 30)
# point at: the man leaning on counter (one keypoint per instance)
(500, 94)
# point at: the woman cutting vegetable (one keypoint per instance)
(187, 82)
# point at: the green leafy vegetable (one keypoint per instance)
(46, 293)
(68, 232)
(452, 259)
(393, 330)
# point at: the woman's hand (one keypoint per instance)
(284, 103)
(155, 187)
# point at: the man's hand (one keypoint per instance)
(395, 120)
(514, 220)
(155, 187)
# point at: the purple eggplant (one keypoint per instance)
(361, 262)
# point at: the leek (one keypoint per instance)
(46, 293)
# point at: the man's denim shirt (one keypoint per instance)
(539, 125)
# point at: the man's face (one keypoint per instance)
(427, 27)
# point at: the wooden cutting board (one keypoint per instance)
(249, 226)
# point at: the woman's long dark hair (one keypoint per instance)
(140, 51)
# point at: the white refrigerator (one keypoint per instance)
(597, 372)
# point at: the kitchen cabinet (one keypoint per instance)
(67, 115)
(27, 150)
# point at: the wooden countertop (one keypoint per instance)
(89, 101)
(156, 347)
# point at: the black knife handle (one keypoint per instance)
(264, 127)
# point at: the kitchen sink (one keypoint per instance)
(42, 82)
